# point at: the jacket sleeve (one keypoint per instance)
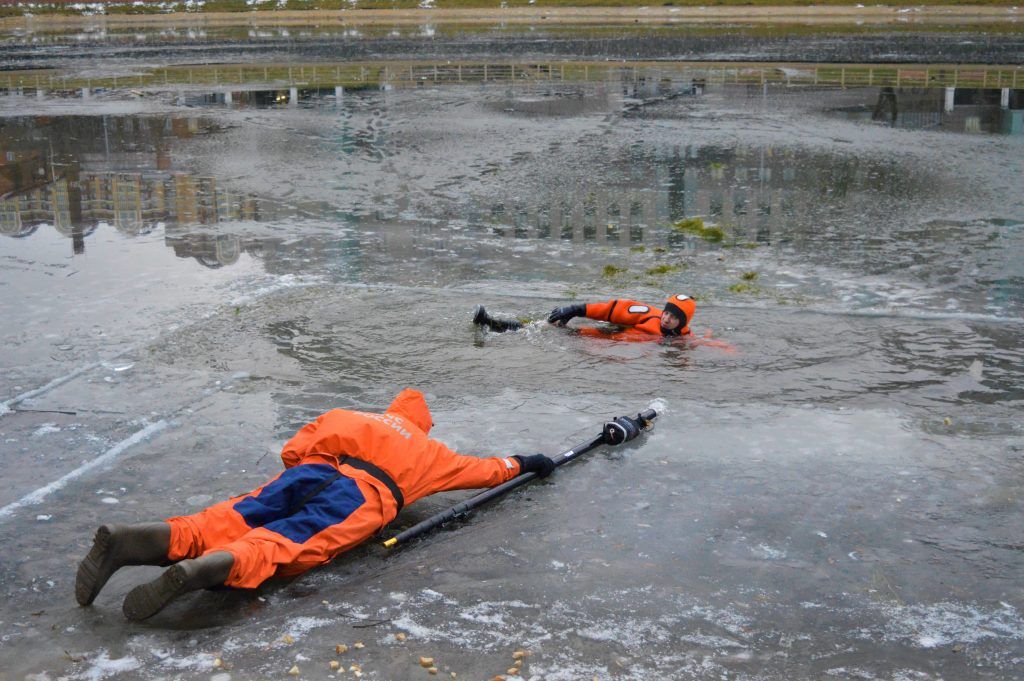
(622, 311)
(458, 471)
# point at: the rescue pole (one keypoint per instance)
(612, 433)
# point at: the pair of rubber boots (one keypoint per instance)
(146, 544)
(481, 318)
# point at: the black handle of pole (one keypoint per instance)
(463, 508)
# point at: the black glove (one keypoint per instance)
(621, 429)
(535, 463)
(561, 315)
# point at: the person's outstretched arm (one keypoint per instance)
(451, 471)
(617, 311)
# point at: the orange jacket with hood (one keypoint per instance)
(396, 442)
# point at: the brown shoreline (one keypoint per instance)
(921, 15)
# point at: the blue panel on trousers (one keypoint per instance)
(275, 506)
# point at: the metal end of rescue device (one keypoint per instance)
(615, 432)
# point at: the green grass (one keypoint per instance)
(226, 6)
(744, 288)
(697, 227)
(663, 269)
(317, 4)
(610, 271)
(116, 10)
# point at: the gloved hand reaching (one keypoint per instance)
(560, 315)
(535, 463)
(621, 429)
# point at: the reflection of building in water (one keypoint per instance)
(321, 253)
(120, 171)
(739, 189)
(753, 194)
(136, 202)
(71, 173)
(214, 250)
(22, 214)
(76, 173)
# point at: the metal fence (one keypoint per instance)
(411, 74)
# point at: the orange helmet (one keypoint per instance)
(682, 306)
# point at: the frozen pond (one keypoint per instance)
(186, 277)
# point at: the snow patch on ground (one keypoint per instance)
(767, 552)
(197, 661)
(941, 624)
(102, 667)
(299, 626)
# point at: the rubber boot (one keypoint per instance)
(148, 599)
(116, 546)
(481, 318)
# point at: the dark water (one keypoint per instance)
(184, 282)
(986, 43)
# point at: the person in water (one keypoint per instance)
(641, 321)
(347, 475)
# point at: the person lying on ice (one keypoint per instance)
(346, 476)
(642, 321)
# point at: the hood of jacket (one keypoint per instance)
(411, 404)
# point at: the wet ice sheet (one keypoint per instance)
(837, 498)
(773, 530)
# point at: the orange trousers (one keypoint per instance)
(298, 520)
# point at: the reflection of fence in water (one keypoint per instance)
(644, 217)
(408, 74)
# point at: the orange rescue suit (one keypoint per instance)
(346, 476)
(643, 321)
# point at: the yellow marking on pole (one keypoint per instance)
(390, 542)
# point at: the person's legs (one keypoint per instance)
(175, 539)
(481, 318)
(329, 514)
(189, 575)
(115, 546)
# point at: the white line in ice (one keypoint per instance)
(38, 495)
